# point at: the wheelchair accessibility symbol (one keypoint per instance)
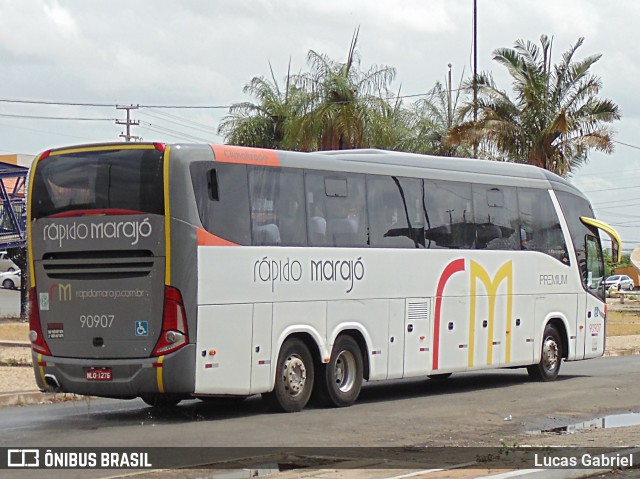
(142, 328)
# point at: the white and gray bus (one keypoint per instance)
(195, 271)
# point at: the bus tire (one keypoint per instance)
(551, 359)
(340, 380)
(294, 378)
(161, 401)
(223, 401)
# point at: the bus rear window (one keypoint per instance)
(127, 179)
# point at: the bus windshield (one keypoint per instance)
(120, 179)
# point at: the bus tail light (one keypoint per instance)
(174, 334)
(38, 343)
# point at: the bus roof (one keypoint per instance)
(382, 162)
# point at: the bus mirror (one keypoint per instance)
(616, 253)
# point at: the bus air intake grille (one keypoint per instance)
(99, 264)
(418, 310)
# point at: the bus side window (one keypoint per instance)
(396, 214)
(222, 198)
(336, 209)
(539, 224)
(277, 206)
(449, 213)
(573, 207)
(496, 217)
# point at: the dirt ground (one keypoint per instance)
(14, 331)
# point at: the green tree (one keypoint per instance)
(266, 123)
(348, 107)
(429, 122)
(555, 117)
(609, 264)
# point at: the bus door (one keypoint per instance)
(594, 318)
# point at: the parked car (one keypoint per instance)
(5, 262)
(621, 281)
(11, 279)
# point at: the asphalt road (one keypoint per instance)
(471, 409)
(407, 412)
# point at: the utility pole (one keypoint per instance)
(449, 106)
(129, 122)
(475, 74)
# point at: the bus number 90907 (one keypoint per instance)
(96, 321)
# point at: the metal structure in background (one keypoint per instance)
(13, 219)
(13, 208)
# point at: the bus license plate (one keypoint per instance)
(99, 374)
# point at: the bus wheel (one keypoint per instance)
(223, 400)
(294, 378)
(440, 377)
(549, 366)
(340, 380)
(161, 401)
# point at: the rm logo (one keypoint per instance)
(64, 292)
(477, 275)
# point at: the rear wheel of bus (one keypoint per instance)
(294, 378)
(549, 366)
(161, 401)
(339, 382)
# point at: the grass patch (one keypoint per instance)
(12, 362)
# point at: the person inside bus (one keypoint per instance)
(263, 223)
(343, 224)
(291, 221)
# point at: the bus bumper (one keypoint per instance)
(129, 378)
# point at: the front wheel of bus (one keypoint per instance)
(340, 380)
(549, 366)
(294, 378)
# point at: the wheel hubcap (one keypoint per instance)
(294, 375)
(550, 354)
(345, 371)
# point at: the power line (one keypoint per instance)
(180, 122)
(57, 103)
(617, 188)
(40, 117)
(174, 133)
(626, 144)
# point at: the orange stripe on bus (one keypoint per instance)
(207, 239)
(245, 155)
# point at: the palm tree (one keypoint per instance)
(347, 104)
(264, 124)
(555, 118)
(430, 121)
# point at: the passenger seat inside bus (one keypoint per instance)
(343, 231)
(268, 234)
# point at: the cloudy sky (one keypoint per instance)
(160, 53)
